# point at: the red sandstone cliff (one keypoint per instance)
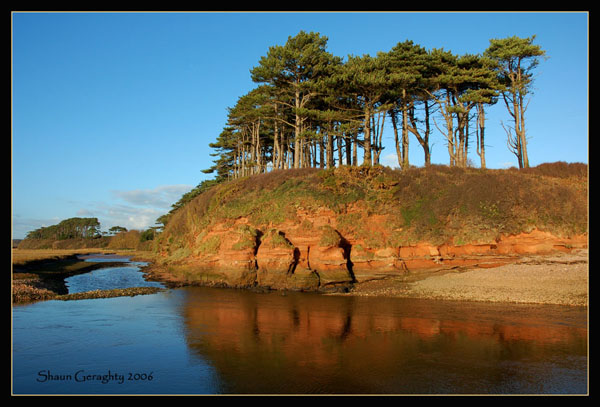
(322, 230)
(294, 257)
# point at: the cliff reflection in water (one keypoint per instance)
(309, 343)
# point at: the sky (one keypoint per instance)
(113, 112)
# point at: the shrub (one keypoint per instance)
(125, 240)
(559, 169)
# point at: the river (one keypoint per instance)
(198, 340)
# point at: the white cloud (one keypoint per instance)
(131, 217)
(160, 197)
(134, 209)
(390, 160)
(142, 206)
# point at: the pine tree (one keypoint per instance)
(295, 68)
(407, 63)
(516, 58)
(366, 80)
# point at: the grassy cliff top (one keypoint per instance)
(435, 204)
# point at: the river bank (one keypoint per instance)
(39, 275)
(559, 278)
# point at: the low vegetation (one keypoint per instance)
(115, 292)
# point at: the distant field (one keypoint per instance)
(23, 256)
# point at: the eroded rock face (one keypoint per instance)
(538, 242)
(312, 254)
(276, 260)
(220, 256)
(276, 254)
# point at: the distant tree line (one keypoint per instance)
(311, 109)
(72, 228)
(83, 228)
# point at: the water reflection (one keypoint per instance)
(305, 343)
(207, 340)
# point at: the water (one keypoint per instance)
(198, 340)
(108, 278)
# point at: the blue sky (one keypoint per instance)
(112, 113)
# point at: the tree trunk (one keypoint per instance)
(524, 155)
(519, 139)
(396, 141)
(348, 150)
(276, 148)
(466, 153)
(423, 140)
(329, 151)
(405, 163)
(297, 147)
(426, 148)
(378, 135)
(284, 150)
(367, 160)
(258, 154)
(450, 131)
(243, 155)
(481, 134)
(355, 150)
(339, 146)
(321, 153)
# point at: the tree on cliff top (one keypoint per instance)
(516, 58)
(295, 69)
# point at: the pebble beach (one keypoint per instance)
(560, 279)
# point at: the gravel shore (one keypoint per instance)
(557, 279)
